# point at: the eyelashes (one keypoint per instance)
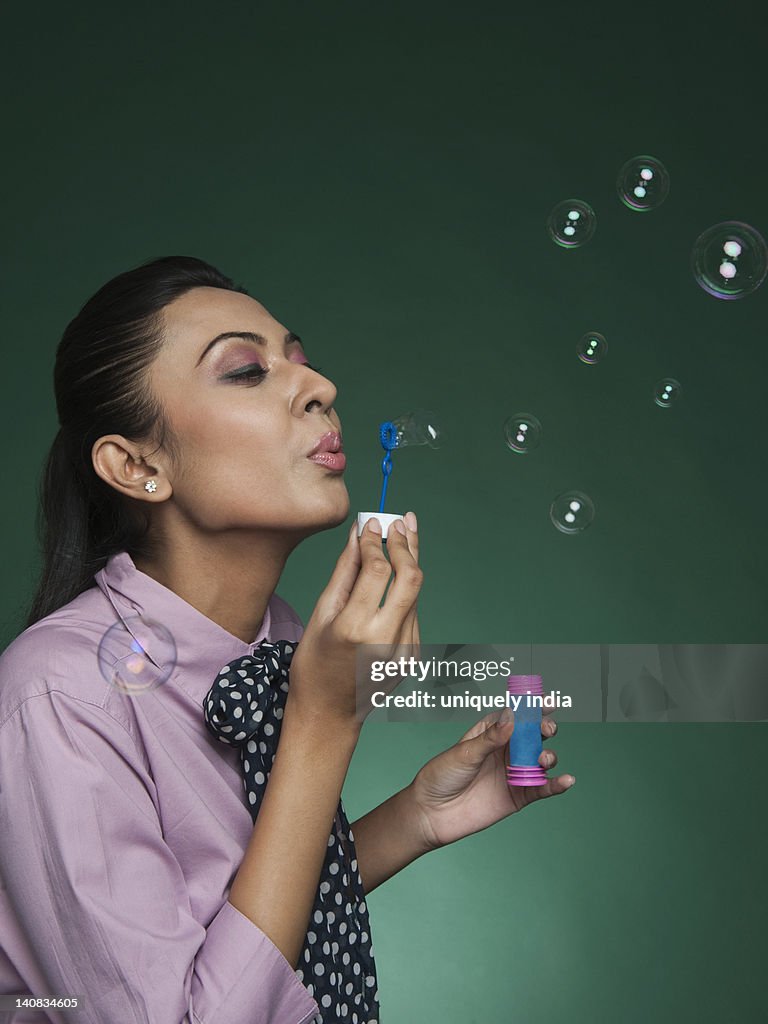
(255, 372)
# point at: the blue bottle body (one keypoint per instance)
(525, 742)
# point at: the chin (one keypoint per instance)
(327, 514)
(339, 515)
(337, 503)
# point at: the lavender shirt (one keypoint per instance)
(123, 824)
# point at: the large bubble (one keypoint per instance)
(644, 698)
(137, 654)
(730, 260)
(421, 426)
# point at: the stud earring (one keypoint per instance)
(150, 485)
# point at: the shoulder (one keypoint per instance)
(59, 654)
(285, 622)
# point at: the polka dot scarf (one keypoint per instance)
(244, 708)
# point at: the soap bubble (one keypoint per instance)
(643, 183)
(137, 654)
(730, 260)
(572, 511)
(522, 432)
(592, 347)
(717, 682)
(412, 428)
(666, 392)
(645, 699)
(571, 223)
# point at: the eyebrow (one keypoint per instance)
(259, 339)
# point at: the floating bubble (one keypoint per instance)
(718, 682)
(730, 260)
(572, 511)
(522, 432)
(645, 699)
(592, 347)
(137, 654)
(571, 223)
(412, 428)
(643, 183)
(666, 392)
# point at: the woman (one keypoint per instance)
(177, 487)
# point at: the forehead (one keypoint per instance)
(197, 316)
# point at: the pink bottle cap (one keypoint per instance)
(516, 777)
(521, 685)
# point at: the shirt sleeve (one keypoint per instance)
(100, 895)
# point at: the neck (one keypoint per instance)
(229, 578)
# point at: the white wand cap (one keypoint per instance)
(385, 518)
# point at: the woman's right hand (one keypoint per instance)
(329, 681)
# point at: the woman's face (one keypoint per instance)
(246, 414)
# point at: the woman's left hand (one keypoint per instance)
(464, 789)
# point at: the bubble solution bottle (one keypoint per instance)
(525, 742)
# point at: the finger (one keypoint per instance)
(548, 727)
(416, 636)
(412, 533)
(410, 632)
(498, 725)
(374, 574)
(475, 749)
(550, 788)
(339, 587)
(480, 727)
(547, 759)
(408, 578)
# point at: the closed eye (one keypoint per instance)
(256, 372)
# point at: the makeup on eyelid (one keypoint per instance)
(255, 370)
(240, 349)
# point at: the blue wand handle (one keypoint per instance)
(388, 438)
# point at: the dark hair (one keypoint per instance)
(101, 384)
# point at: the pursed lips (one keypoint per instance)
(328, 442)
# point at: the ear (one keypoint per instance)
(120, 464)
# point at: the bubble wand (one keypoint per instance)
(408, 430)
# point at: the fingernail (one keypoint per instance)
(410, 521)
(398, 525)
(506, 716)
(573, 780)
(374, 525)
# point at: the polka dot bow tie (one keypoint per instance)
(244, 708)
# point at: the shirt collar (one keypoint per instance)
(203, 647)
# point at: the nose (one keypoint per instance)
(316, 392)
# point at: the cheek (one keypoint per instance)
(256, 449)
(235, 485)
(235, 425)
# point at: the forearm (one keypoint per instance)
(277, 880)
(387, 839)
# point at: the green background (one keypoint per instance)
(379, 176)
